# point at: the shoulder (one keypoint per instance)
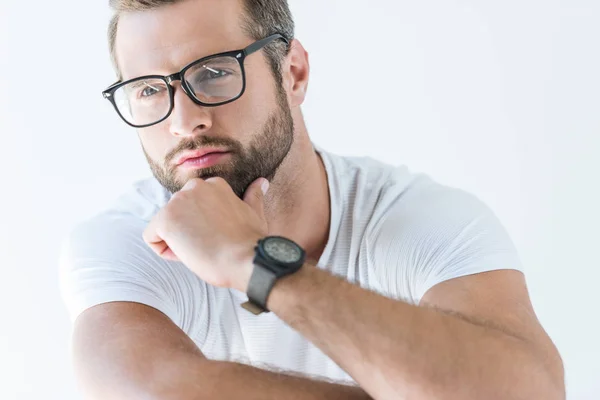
(429, 233)
(395, 197)
(364, 170)
(426, 207)
(426, 203)
(104, 258)
(118, 227)
(364, 185)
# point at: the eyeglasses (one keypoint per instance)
(210, 81)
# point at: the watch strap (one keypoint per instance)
(259, 288)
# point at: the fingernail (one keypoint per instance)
(264, 186)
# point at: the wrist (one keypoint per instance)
(275, 258)
(246, 263)
(285, 290)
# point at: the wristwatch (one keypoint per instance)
(275, 257)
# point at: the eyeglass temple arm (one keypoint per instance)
(254, 47)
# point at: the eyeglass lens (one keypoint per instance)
(212, 82)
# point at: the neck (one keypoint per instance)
(297, 204)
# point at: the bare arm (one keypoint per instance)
(486, 344)
(130, 351)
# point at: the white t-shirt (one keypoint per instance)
(391, 231)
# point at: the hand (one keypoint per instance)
(210, 230)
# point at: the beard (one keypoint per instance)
(262, 158)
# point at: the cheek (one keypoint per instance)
(261, 88)
(246, 115)
(155, 142)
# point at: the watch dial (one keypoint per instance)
(282, 250)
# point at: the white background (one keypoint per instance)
(500, 98)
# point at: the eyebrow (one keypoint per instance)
(141, 83)
(138, 84)
(227, 60)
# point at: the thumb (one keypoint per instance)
(254, 196)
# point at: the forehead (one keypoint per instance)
(163, 40)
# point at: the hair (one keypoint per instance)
(261, 18)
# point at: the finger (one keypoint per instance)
(168, 254)
(156, 243)
(189, 185)
(153, 239)
(254, 196)
(150, 235)
(217, 180)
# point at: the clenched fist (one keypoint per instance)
(210, 230)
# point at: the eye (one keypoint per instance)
(212, 73)
(150, 90)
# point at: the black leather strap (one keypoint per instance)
(259, 288)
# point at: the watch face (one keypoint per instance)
(282, 250)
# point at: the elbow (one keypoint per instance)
(541, 378)
(555, 377)
(551, 372)
(548, 387)
(537, 377)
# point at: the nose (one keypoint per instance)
(187, 118)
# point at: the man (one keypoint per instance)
(257, 265)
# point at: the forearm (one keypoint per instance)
(396, 350)
(227, 380)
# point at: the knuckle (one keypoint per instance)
(217, 180)
(169, 213)
(176, 197)
(189, 185)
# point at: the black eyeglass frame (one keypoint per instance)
(239, 55)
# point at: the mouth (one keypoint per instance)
(203, 160)
(199, 154)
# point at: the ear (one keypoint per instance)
(296, 73)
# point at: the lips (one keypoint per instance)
(198, 154)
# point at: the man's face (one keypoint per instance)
(257, 130)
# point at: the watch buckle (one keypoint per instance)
(253, 308)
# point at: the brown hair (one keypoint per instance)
(262, 18)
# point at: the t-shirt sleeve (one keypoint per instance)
(106, 260)
(435, 233)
